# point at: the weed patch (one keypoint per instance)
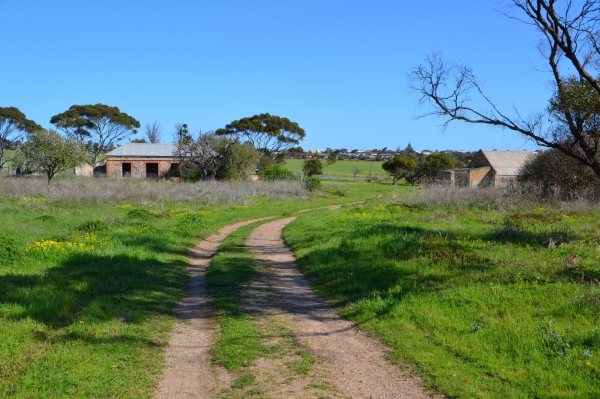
(92, 226)
(9, 252)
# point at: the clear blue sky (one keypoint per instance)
(338, 68)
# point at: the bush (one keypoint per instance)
(553, 170)
(312, 183)
(277, 172)
(92, 226)
(9, 252)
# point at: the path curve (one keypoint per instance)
(187, 369)
(356, 363)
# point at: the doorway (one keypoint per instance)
(152, 171)
(126, 170)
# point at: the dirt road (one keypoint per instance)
(344, 363)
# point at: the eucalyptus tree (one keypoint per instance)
(98, 126)
(270, 135)
(14, 125)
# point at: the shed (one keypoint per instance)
(487, 169)
(142, 160)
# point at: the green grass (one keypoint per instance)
(87, 290)
(342, 168)
(480, 302)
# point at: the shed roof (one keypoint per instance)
(506, 163)
(143, 150)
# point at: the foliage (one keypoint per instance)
(312, 183)
(92, 226)
(436, 162)
(312, 167)
(48, 152)
(13, 126)
(277, 172)
(9, 251)
(98, 126)
(208, 156)
(478, 301)
(569, 41)
(399, 167)
(553, 170)
(267, 134)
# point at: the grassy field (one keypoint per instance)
(484, 303)
(88, 286)
(343, 168)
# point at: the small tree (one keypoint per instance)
(48, 152)
(208, 156)
(13, 126)
(312, 167)
(436, 162)
(398, 167)
(101, 126)
(355, 171)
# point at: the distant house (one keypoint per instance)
(487, 169)
(142, 160)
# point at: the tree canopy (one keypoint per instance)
(570, 40)
(48, 152)
(398, 167)
(13, 126)
(267, 133)
(98, 126)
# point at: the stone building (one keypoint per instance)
(487, 169)
(142, 160)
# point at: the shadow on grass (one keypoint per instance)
(365, 263)
(95, 289)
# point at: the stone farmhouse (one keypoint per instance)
(142, 160)
(487, 169)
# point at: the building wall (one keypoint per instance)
(114, 166)
(481, 177)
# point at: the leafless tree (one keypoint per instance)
(203, 156)
(571, 123)
(355, 171)
(153, 132)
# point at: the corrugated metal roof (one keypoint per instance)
(507, 163)
(143, 150)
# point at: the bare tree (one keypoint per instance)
(571, 123)
(153, 132)
(355, 171)
(204, 156)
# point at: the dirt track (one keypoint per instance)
(348, 364)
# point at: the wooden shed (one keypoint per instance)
(142, 160)
(487, 169)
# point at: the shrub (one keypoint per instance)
(553, 170)
(140, 213)
(9, 252)
(312, 183)
(277, 172)
(92, 226)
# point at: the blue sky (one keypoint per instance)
(338, 68)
